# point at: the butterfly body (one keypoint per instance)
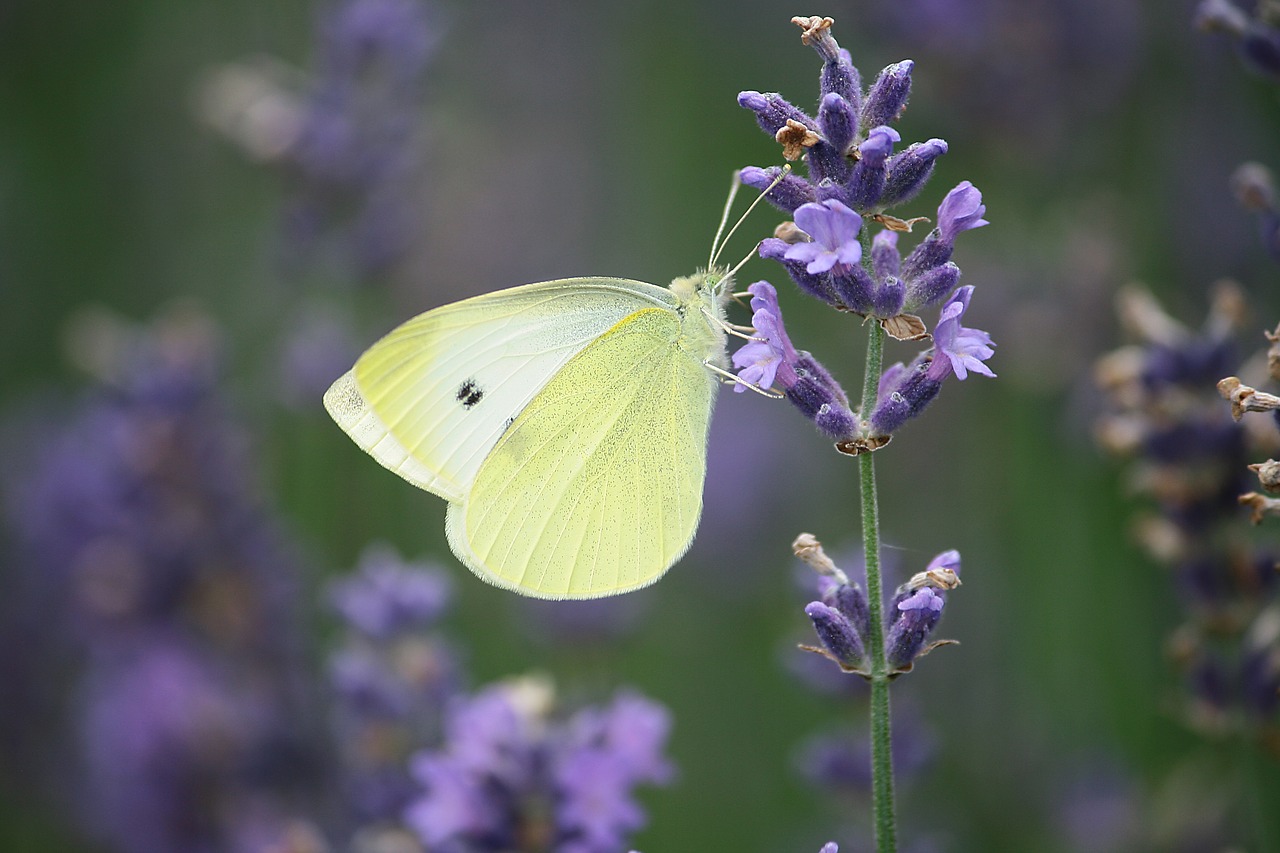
(565, 422)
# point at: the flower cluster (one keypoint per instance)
(841, 616)
(510, 776)
(391, 678)
(1256, 36)
(1190, 460)
(349, 139)
(853, 177)
(165, 591)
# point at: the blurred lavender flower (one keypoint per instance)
(1256, 35)
(350, 137)
(358, 151)
(838, 763)
(1190, 460)
(145, 551)
(510, 777)
(392, 678)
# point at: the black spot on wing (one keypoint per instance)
(469, 393)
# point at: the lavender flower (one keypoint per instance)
(389, 596)
(510, 777)
(841, 619)
(913, 620)
(391, 678)
(1192, 456)
(906, 390)
(961, 349)
(146, 552)
(804, 381)
(834, 230)
(848, 149)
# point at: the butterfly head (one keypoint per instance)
(710, 287)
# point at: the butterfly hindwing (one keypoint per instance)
(596, 488)
(431, 399)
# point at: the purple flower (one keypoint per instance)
(163, 591)
(389, 596)
(959, 349)
(947, 560)
(357, 150)
(596, 811)
(888, 94)
(508, 770)
(760, 361)
(838, 635)
(455, 804)
(391, 679)
(878, 145)
(961, 210)
(912, 622)
(834, 229)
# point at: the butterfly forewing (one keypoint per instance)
(596, 488)
(431, 399)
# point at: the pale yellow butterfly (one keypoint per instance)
(565, 423)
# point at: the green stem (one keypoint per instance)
(881, 747)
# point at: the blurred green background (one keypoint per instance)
(563, 139)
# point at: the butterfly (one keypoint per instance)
(565, 423)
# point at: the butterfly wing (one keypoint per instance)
(596, 488)
(430, 400)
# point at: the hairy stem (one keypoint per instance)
(881, 749)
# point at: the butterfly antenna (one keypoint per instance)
(731, 273)
(715, 254)
(724, 217)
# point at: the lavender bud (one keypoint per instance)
(851, 601)
(840, 77)
(854, 288)
(889, 298)
(888, 95)
(838, 121)
(914, 617)
(914, 390)
(837, 635)
(790, 193)
(909, 170)
(932, 286)
(821, 399)
(885, 258)
(867, 183)
(773, 111)
(930, 253)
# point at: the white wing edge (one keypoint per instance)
(455, 528)
(349, 409)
